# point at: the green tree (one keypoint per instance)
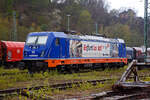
(85, 23)
(44, 27)
(119, 31)
(74, 10)
(5, 29)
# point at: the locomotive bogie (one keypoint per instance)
(33, 65)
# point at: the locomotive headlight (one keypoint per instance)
(42, 54)
(9, 54)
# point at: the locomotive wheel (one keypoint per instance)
(21, 65)
(8, 66)
(30, 67)
(73, 68)
(61, 69)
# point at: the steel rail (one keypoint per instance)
(4, 74)
(111, 95)
(62, 86)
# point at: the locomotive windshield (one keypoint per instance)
(38, 40)
(31, 40)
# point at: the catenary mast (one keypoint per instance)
(145, 26)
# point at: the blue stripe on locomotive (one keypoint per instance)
(53, 51)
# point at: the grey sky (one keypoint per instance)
(137, 5)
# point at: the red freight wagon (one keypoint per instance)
(11, 52)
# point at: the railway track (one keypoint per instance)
(111, 95)
(62, 86)
(4, 74)
(82, 71)
(63, 72)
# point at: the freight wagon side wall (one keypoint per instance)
(14, 51)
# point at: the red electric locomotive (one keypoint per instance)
(11, 53)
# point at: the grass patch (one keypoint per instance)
(88, 87)
(47, 78)
(25, 79)
(53, 77)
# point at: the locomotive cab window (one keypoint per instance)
(38, 40)
(42, 40)
(32, 40)
(57, 41)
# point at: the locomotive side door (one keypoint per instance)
(63, 48)
(122, 51)
(55, 48)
